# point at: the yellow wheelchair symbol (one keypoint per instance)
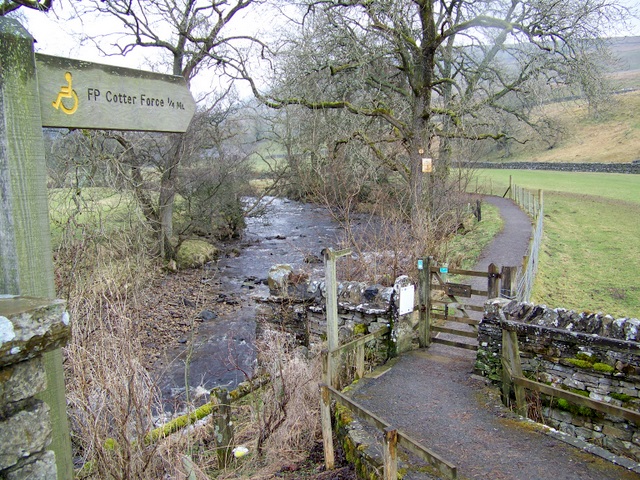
(66, 91)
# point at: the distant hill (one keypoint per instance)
(627, 69)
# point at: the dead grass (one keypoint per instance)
(613, 138)
(113, 401)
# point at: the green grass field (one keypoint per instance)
(95, 210)
(590, 257)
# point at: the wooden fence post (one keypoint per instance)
(390, 453)
(331, 288)
(223, 433)
(424, 302)
(325, 366)
(327, 432)
(508, 279)
(511, 367)
(493, 284)
(26, 264)
(360, 361)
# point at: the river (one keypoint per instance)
(223, 352)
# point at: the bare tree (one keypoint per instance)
(192, 36)
(8, 6)
(431, 71)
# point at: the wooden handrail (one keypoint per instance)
(468, 273)
(605, 407)
(360, 341)
(448, 470)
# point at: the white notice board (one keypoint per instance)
(407, 295)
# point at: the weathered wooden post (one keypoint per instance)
(390, 453)
(223, 429)
(26, 266)
(327, 432)
(360, 361)
(70, 94)
(331, 288)
(424, 301)
(493, 285)
(511, 367)
(508, 279)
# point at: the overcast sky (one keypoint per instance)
(56, 37)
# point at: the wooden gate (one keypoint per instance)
(452, 302)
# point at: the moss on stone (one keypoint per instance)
(586, 357)
(343, 416)
(622, 397)
(194, 253)
(603, 367)
(575, 409)
(579, 363)
(359, 329)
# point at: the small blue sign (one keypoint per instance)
(444, 269)
(420, 264)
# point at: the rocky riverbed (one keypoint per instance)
(199, 329)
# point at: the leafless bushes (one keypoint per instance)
(113, 401)
(387, 242)
(280, 423)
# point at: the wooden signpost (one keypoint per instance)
(77, 94)
(58, 92)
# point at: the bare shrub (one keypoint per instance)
(289, 419)
(111, 397)
(101, 264)
(281, 422)
(386, 242)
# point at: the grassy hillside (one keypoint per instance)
(590, 256)
(614, 137)
(627, 69)
(611, 136)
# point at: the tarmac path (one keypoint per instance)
(432, 395)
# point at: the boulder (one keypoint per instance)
(278, 278)
(195, 253)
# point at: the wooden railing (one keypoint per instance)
(392, 438)
(513, 379)
(335, 363)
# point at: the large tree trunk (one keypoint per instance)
(168, 195)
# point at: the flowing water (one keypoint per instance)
(222, 353)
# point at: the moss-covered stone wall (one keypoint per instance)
(29, 327)
(590, 354)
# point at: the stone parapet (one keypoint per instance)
(628, 168)
(28, 328)
(592, 355)
(298, 304)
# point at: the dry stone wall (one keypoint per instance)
(298, 304)
(28, 328)
(591, 354)
(630, 168)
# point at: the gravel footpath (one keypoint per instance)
(433, 396)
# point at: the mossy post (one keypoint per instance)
(331, 288)
(26, 266)
(223, 428)
(511, 367)
(327, 432)
(424, 301)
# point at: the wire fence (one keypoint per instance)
(532, 204)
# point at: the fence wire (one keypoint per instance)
(534, 206)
